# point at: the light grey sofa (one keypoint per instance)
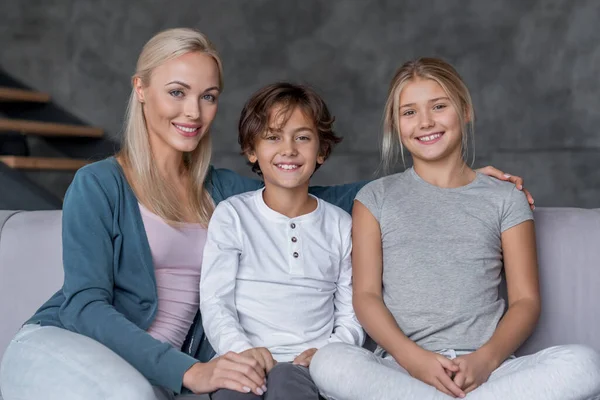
(568, 251)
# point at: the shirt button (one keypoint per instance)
(294, 239)
(292, 225)
(296, 254)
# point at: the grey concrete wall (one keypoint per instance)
(532, 66)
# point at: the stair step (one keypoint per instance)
(43, 163)
(13, 94)
(48, 128)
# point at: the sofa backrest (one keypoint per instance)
(30, 266)
(568, 242)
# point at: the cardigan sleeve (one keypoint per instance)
(224, 183)
(89, 258)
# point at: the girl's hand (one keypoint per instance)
(263, 356)
(433, 368)
(475, 369)
(305, 357)
(516, 180)
(231, 371)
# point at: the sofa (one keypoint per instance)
(568, 242)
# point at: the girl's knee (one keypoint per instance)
(332, 358)
(580, 366)
(579, 355)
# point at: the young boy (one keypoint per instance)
(276, 273)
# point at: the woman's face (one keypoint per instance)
(180, 102)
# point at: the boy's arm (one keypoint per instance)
(346, 329)
(217, 284)
(224, 183)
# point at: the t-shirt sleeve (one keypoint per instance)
(516, 210)
(371, 196)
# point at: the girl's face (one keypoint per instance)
(180, 102)
(430, 127)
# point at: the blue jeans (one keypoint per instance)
(56, 364)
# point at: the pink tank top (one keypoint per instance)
(177, 255)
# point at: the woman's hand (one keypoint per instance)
(474, 370)
(516, 180)
(230, 371)
(263, 356)
(433, 369)
(305, 357)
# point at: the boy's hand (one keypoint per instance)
(475, 370)
(516, 180)
(305, 357)
(263, 356)
(433, 369)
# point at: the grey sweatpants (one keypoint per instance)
(285, 381)
(345, 372)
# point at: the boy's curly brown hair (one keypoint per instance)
(257, 112)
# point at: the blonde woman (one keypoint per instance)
(126, 325)
(429, 246)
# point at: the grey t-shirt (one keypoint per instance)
(442, 255)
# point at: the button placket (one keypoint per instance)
(295, 254)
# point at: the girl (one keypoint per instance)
(126, 325)
(429, 245)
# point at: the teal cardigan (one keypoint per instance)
(109, 291)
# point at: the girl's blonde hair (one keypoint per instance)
(447, 77)
(136, 155)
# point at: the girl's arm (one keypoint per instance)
(520, 264)
(367, 270)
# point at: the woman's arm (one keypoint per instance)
(87, 230)
(224, 183)
(367, 269)
(89, 293)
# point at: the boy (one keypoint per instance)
(276, 274)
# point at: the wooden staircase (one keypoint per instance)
(42, 129)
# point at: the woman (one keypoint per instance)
(125, 324)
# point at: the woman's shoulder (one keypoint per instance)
(103, 169)
(106, 174)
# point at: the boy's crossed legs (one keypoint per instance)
(285, 381)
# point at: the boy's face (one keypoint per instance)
(287, 153)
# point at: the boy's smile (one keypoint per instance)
(288, 152)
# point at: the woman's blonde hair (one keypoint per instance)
(446, 76)
(136, 155)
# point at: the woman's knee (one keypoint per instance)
(51, 363)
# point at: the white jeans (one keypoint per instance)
(56, 364)
(345, 372)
